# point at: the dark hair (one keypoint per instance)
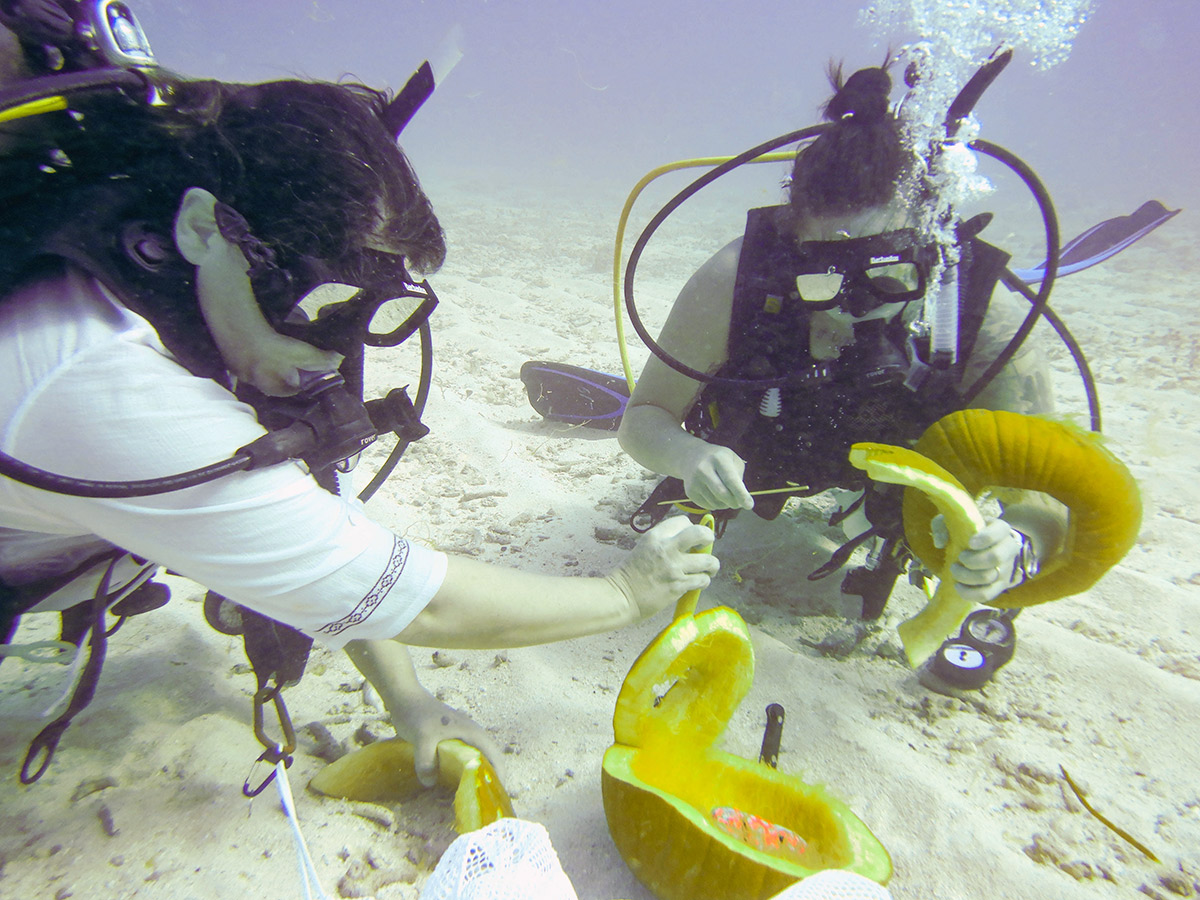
(315, 172)
(861, 159)
(310, 165)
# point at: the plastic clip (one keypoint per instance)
(274, 756)
(275, 752)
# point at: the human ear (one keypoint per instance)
(250, 347)
(196, 232)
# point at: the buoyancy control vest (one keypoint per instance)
(880, 388)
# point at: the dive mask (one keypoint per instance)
(112, 31)
(861, 274)
(369, 298)
(365, 297)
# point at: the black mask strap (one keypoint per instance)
(235, 229)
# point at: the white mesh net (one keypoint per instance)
(835, 884)
(511, 859)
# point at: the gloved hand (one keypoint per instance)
(424, 721)
(996, 559)
(712, 478)
(662, 567)
(418, 716)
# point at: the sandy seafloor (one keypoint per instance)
(966, 795)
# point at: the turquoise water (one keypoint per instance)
(599, 90)
(527, 151)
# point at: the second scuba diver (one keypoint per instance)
(822, 295)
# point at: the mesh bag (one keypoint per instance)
(834, 884)
(511, 859)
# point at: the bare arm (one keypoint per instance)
(1023, 385)
(480, 605)
(696, 333)
(12, 59)
(1043, 519)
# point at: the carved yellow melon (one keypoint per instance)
(662, 777)
(968, 452)
(986, 448)
(383, 772)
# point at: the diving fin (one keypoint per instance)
(1101, 241)
(574, 395)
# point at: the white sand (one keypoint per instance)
(966, 795)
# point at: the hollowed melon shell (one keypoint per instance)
(659, 802)
(662, 778)
(385, 772)
(706, 661)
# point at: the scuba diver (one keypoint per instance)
(804, 336)
(178, 390)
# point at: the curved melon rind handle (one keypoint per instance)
(924, 633)
(686, 605)
(385, 772)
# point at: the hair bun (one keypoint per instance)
(864, 96)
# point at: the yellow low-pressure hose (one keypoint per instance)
(33, 108)
(699, 162)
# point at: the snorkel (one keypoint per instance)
(947, 177)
